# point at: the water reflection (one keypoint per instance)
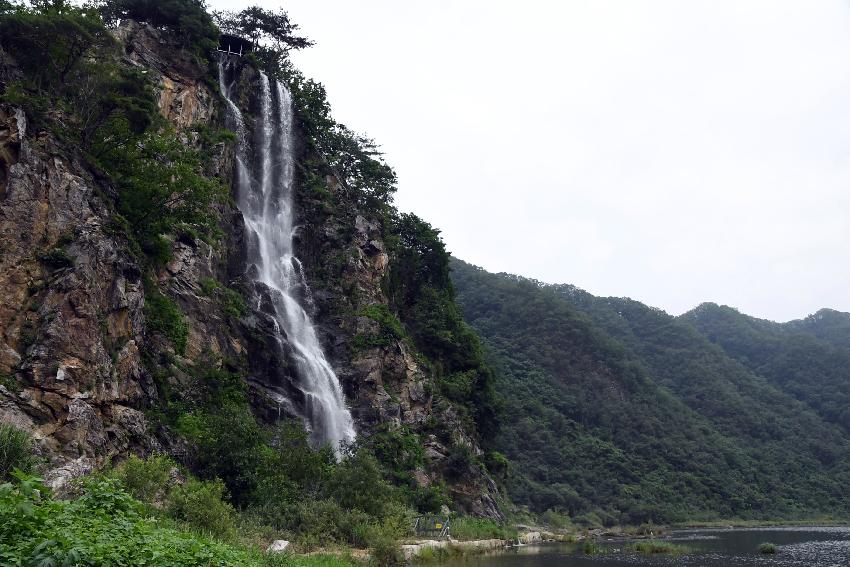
(797, 547)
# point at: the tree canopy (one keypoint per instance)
(263, 27)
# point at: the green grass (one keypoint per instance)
(767, 548)
(16, 451)
(651, 547)
(466, 528)
(590, 547)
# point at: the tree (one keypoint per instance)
(51, 40)
(187, 19)
(161, 184)
(272, 29)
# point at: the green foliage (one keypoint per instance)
(145, 479)
(202, 505)
(808, 359)
(390, 327)
(357, 483)
(16, 451)
(187, 20)
(164, 317)
(619, 413)
(467, 528)
(385, 551)
(230, 300)
(278, 478)
(161, 184)
(421, 291)
(101, 527)
(590, 547)
(651, 547)
(71, 71)
(51, 40)
(767, 548)
(263, 27)
(351, 158)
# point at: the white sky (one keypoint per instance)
(669, 151)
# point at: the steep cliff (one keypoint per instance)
(83, 362)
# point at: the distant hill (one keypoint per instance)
(808, 359)
(618, 412)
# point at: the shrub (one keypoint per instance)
(357, 483)
(390, 326)
(590, 547)
(201, 505)
(322, 522)
(230, 300)
(767, 548)
(385, 551)
(470, 528)
(56, 258)
(102, 527)
(459, 461)
(164, 317)
(16, 451)
(556, 519)
(652, 547)
(146, 479)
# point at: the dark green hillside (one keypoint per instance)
(827, 324)
(809, 359)
(618, 409)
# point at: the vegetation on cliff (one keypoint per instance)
(160, 189)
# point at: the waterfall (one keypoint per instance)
(264, 181)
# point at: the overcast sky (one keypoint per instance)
(673, 152)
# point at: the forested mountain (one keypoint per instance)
(618, 410)
(808, 358)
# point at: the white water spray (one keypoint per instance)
(265, 198)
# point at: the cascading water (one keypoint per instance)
(264, 185)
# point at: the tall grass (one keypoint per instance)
(467, 528)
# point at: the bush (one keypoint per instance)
(385, 551)
(459, 461)
(230, 300)
(56, 258)
(652, 547)
(16, 451)
(164, 317)
(102, 527)
(146, 479)
(319, 523)
(767, 548)
(390, 328)
(357, 483)
(590, 547)
(471, 528)
(201, 505)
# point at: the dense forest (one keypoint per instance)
(619, 412)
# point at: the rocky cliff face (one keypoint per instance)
(77, 365)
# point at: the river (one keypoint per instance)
(796, 547)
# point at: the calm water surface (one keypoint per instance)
(797, 547)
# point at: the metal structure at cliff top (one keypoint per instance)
(234, 45)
